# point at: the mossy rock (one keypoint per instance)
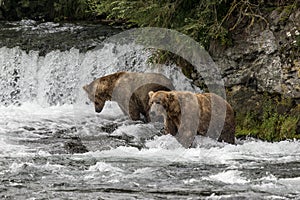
(269, 117)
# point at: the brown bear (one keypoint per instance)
(187, 114)
(129, 89)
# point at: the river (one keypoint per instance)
(54, 146)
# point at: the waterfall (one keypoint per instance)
(57, 78)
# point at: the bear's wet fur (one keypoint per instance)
(129, 89)
(187, 114)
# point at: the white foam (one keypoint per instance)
(104, 167)
(104, 171)
(276, 152)
(230, 177)
(8, 149)
(145, 171)
(191, 181)
(164, 142)
(17, 167)
(165, 152)
(292, 183)
(168, 149)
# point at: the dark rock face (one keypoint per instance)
(258, 61)
(263, 63)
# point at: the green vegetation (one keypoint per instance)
(273, 124)
(53, 10)
(198, 19)
(204, 20)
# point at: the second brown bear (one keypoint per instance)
(187, 114)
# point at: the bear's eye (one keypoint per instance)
(157, 102)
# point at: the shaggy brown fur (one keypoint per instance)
(187, 114)
(130, 90)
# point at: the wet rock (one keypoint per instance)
(241, 96)
(129, 140)
(61, 133)
(45, 37)
(27, 128)
(75, 146)
(123, 136)
(263, 60)
(109, 128)
(269, 74)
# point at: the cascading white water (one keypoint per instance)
(58, 77)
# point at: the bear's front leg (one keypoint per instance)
(134, 114)
(170, 127)
(185, 137)
(147, 117)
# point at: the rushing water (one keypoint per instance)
(44, 113)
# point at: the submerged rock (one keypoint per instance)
(75, 146)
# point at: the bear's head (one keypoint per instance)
(90, 90)
(98, 93)
(100, 90)
(163, 103)
(159, 98)
(157, 106)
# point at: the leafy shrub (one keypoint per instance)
(273, 126)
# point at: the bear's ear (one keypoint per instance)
(85, 88)
(150, 94)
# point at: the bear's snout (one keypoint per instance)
(157, 112)
(98, 110)
(152, 114)
(156, 118)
